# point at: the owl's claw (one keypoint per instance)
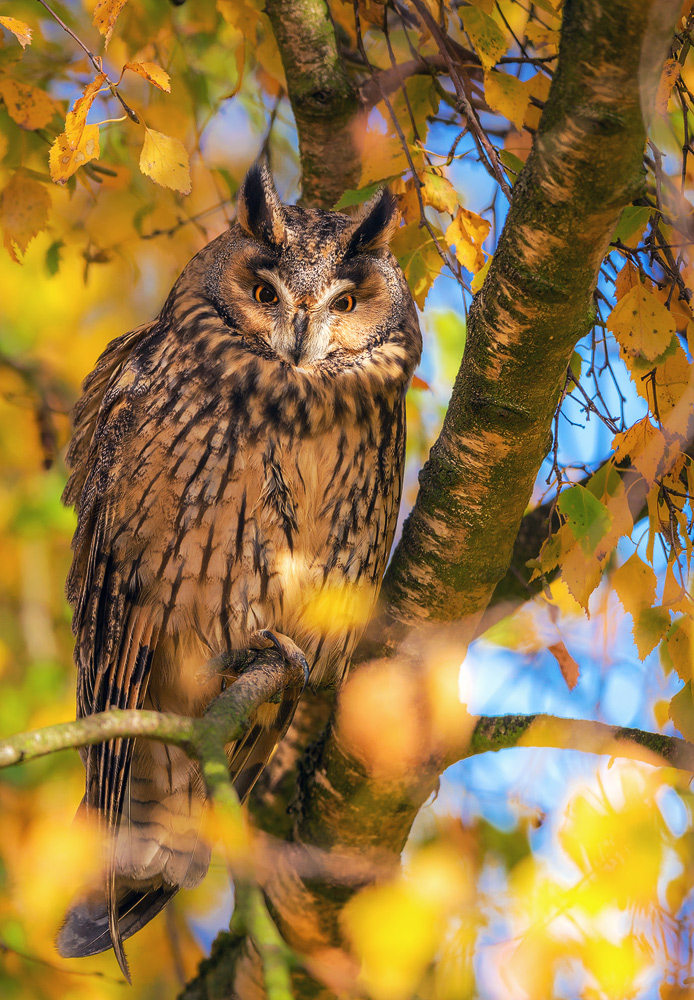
(264, 638)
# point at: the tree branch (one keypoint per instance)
(501, 732)
(323, 99)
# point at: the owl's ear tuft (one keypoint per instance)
(374, 226)
(259, 209)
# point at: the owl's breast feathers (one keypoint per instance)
(232, 491)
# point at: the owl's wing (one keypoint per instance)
(115, 639)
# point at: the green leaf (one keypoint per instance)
(357, 197)
(633, 218)
(53, 257)
(682, 711)
(485, 34)
(588, 518)
(650, 625)
(513, 164)
(575, 366)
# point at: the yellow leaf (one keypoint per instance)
(679, 644)
(485, 34)
(165, 160)
(674, 593)
(682, 711)
(66, 157)
(674, 392)
(645, 445)
(24, 207)
(467, 233)
(29, 106)
(641, 324)
(478, 280)
(76, 119)
(19, 29)
(418, 257)
(507, 96)
(634, 583)
(668, 79)
(395, 932)
(627, 279)
(438, 192)
(150, 71)
(105, 14)
(581, 574)
(383, 157)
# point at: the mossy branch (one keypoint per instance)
(226, 719)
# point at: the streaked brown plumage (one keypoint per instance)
(236, 464)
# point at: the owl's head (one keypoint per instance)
(306, 285)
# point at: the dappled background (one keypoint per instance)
(534, 872)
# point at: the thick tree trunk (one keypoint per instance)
(585, 166)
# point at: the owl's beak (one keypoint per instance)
(299, 327)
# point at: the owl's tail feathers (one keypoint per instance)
(86, 927)
(155, 849)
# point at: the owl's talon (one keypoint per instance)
(289, 650)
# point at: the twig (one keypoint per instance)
(95, 60)
(487, 152)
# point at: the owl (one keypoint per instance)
(236, 467)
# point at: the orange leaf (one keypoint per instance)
(24, 207)
(570, 670)
(419, 383)
(645, 445)
(19, 29)
(29, 106)
(150, 71)
(668, 79)
(79, 143)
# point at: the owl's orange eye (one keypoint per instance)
(345, 304)
(265, 294)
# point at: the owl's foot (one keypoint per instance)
(265, 638)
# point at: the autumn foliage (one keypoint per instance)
(125, 131)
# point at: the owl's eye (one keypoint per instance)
(345, 304)
(265, 294)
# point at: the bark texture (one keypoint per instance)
(324, 101)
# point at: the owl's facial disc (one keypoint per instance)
(305, 328)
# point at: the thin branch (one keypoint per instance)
(95, 60)
(488, 154)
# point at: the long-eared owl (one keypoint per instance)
(236, 469)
